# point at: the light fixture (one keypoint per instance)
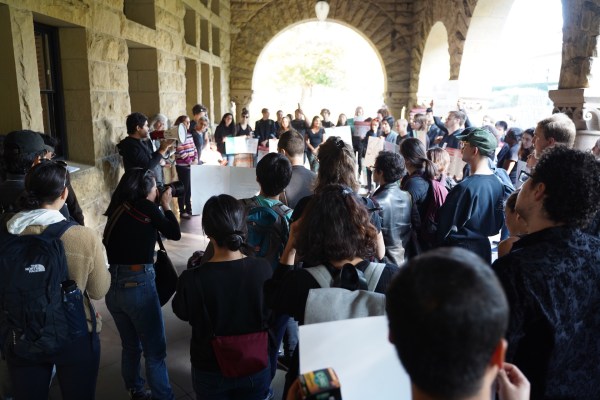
(322, 9)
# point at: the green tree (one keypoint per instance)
(318, 65)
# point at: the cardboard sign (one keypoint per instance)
(391, 147)
(455, 169)
(240, 145)
(374, 146)
(422, 136)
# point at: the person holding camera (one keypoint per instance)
(136, 149)
(40, 343)
(134, 222)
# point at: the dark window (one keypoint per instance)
(46, 44)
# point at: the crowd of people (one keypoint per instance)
(464, 324)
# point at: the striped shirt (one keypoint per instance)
(186, 152)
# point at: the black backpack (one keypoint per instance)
(41, 310)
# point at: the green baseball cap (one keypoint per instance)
(480, 138)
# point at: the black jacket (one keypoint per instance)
(137, 153)
(396, 205)
(551, 280)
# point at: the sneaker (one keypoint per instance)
(185, 215)
(140, 395)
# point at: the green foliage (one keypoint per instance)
(319, 65)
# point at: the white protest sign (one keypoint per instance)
(213, 180)
(273, 145)
(343, 132)
(240, 145)
(374, 146)
(365, 361)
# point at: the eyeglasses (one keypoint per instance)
(524, 175)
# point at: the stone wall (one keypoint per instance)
(101, 80)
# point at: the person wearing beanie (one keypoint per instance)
(386, 130)
(473, 209)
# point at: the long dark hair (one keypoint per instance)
(413, 151)
(335, 226)
(44, 183)
(224, 220)
(134, 185)
(229, 130)
(336, 160)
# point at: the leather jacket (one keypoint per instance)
(396, 205)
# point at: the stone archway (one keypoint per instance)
(455, 15)
(365, 17)
(435, 64)
(483, 37)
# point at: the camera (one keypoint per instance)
(177, 189)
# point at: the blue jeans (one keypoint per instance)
(214, 386)
(230, 159)
(133, 302)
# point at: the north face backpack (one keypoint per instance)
(268, 229)
(333, 303)
(41, 310)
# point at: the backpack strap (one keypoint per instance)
(321, 275)
(56, 230)
(282, 210)
(373, 274)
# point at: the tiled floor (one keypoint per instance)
(110, 385)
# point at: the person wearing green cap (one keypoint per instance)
(473, 209)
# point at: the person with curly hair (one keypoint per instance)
(338, 165)
(334, 231)
(551, 278)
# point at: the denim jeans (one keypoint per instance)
(185, 202)
(214, 386)
(133, 302)
(76, 368)
(230, 159)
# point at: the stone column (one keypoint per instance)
(578, 93)
(242, 99)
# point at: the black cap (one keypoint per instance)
(24, 142)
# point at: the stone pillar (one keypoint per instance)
(21, 102)
(242, 99)
(578, 93)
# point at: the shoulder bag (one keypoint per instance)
(237, 355)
